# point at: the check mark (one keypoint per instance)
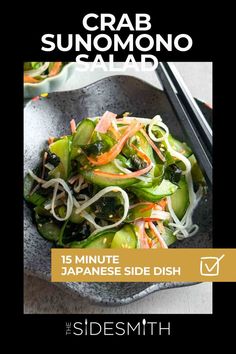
(210, 269)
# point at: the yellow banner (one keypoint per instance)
(124, 265)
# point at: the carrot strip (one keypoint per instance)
(55, 69)
(148, 207)
(109, 156)
(155, 148)
(132, 174)
(163, 203)
(151, 219)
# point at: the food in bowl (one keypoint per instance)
(116, 181)
(35, 72)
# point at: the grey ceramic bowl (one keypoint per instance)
(51, 117)
(50, 84)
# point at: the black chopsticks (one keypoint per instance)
(189, 115)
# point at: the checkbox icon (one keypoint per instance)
(210, 266)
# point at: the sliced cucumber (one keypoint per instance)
(100, 240)
(179, 146)
(168, 237)
(180, 199)
(197, 174)
(35, 198)
(91, 177)
(49, 231)
(183, 148)
(75, 218)
(103, 241)
(138, 212)
(61, 148)
(125, 238)
(82, 136)
(154, 194)
(145, 146)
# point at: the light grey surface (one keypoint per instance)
(42, 297)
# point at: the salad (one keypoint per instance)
(35, 72)
(116, 181)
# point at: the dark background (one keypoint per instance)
(210, 43)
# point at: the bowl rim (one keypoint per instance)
(48, 79)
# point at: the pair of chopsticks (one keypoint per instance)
(189, 115)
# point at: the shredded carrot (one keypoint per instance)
(151, 206)
(132, 174)
(109, 156)
(162, 203)
(72, 126)
(155, 148)
(151, 219)
(55, 69)
(115, 132)
(30, 80)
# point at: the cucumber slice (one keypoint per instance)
(125, 238)
(49, 231)
(100, 240)
(154, 194)
(35, 198)
(180, 199)
(103, 241)
(91, 177)
(196, 172)
(168, 237)
(75, 218)
(179, 146)
(61, 148)
(82, 136)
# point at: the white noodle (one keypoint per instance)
(49, 166)
(69, 203)
(126, 171)
(77, 187)
(37, 72)
(86, 215)
(160, 214)
(84, 198)
(36, 178)
(157, 121)
(185, 227)
(97, 196)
